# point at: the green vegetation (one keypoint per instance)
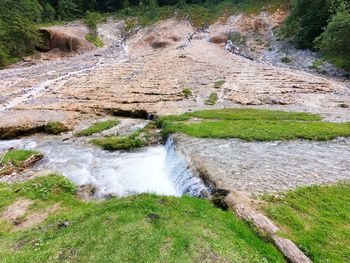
(19, 20)
(98, 127)
(317, 65)
(212, 99)
(55, 128)
(97, 41)
(286, 59)
(140, 138)
(317, 219)
(187, 92)
(253, 125)
(219, 83)
(143, 228)
(91, 20)
(326, 28)
(16, 156)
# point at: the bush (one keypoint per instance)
(286, 59)
(335, 40)
(187, 92)
(212, 99)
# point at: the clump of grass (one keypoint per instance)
(98, 127)
(212, 99)
(138, 139)
(316, 218)
(286, 59)
(15, 157)
(113, 143)
(187, 92)
(218, 84)
(317, 65)
(254, 125)
(96, 40)
(184, 229)
(55, 128)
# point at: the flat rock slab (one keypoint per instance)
(257, 167)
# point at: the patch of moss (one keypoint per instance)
(98, 127)
(55, 128)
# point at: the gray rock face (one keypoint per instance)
(256, 167)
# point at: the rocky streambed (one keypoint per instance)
(258, 167)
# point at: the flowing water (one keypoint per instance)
(157, 169)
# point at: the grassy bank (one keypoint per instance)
(16, 156)
(253, 125)
(317, 219)
(98, 127)
(144, 228)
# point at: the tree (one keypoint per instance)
(335, 40)
(18, 33)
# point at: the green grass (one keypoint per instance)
(187, 92)
(138, 139)
(55, 128)
(286, 59)
(17, 156)
(212, 99)
(97, 41)
(218, 84)
(317, 219)
(98, 127)
(253, 125)
(142, 228)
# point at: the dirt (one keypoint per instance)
(17, 214)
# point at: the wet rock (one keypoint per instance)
(86, 192)
(64, 224)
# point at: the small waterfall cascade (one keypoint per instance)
(156, 169)
(181, 175)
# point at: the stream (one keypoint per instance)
(157, 169)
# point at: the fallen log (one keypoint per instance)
(293, 254)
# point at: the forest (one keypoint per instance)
(322, 25)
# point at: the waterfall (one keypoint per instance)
(157, 169)
(181, 175)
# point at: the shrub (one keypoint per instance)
(212, 99)
(187, 92)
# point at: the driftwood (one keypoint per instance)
(9, 168)
(293, 254)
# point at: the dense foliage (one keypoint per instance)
(321, 24)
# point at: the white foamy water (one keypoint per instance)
(156, 170)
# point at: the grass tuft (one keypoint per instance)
(212, 99)
(219, 83)
(187, 92)
(98, 127)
